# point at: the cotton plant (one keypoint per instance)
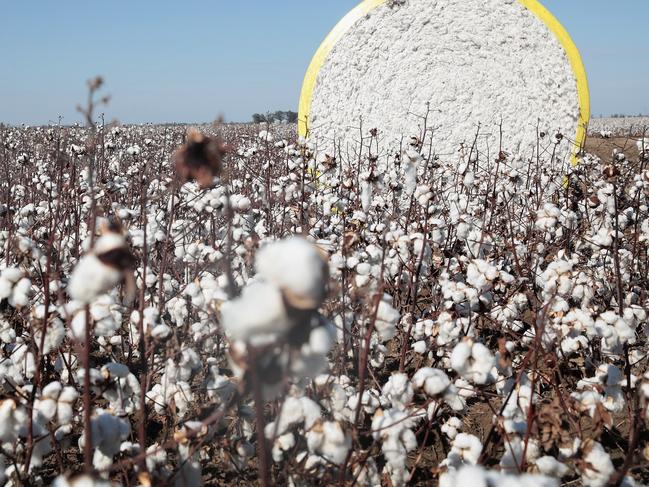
(171, 392)
(120, 387)
(448, 288)
(280, 307)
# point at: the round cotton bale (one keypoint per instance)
(480, 75)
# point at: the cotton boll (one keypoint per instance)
(91, 278)
(243, 204)
(258, 315)
(367, 474)
(398, 390)
(12, 418)
(393, 427)
(369, 402)
(386, 318)
(54, 336)
(551, 467)
(547, 217)
(473, 361)
(464, 477)
(282, 444)
(14, 287)
(21, 293)
(328, 440)
(108, 432)
(420, 347)
(297, 268)
(366, 195)
(291, 414)
(101, 269)
(598, 467)
(513, 456)
(451, 427)
(65, 405)
(156, 457)
(433, 381)
(411, 160)
(321, 339)
(466, 449)
(218, 386)
(106, 317)
(46, 408)
(476, 476)
(80, 481)
(161, 331)
(190, 470)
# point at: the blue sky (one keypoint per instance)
(192, 60)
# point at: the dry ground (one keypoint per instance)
(603, 148)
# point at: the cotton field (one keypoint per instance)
(619, 126)
(226, 305)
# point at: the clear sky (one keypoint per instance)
(191, 60)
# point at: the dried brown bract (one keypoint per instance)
(329, 162)
(200, 159)
(611, 172)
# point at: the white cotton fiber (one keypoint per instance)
(295, 266)
(467, 62)
(258, 313)
(91, 278)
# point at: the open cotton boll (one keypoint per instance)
(466, 449)
(473, 361)
(476, 476)
(294, 411)
(102, 269)
(451, 427)
(297, 268)
(321, 339)
(105, 314)
(108, 432)
(91, 278)
(12, 418)
(258, 316)
(513, 455)
(393, 427)
(398, 390)
(411, 160)
(328, 440)
(54, 336)
(433, 381)
(80, 481)
(370, 401)
(386, 318)
(598, 467)
(14, 287)
(550, 466)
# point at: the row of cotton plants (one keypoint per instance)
(227, 305)
(619, 126)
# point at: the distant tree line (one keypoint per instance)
(273, 117)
